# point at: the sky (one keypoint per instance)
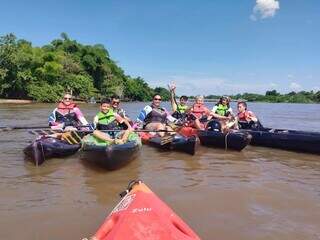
(204, 47)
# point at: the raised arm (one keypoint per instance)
(80, 116)
(173, 97)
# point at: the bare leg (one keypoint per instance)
(197, 124)
(124, 137)
(102, 136)
(156, 127)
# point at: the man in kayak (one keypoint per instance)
(179, 109)
(115, 101)
(154, 117)
(198, 114)
(108, 119)
(246, 119)
(67, 114)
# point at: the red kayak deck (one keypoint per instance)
(188, 131)
(141, 215)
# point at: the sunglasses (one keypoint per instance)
(157, 99)
(66, 98)
(115, 102)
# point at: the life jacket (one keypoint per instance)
(243, 116)
(65, 114)
(222, 110)
(181, 108)
(107, 121)
(158, 115)
(199, 110)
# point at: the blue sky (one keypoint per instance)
(205, 47)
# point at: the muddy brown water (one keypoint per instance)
(259, 193)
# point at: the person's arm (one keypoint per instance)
(252, 116)
(171, 119)
(143, 114)
(80, 116)
(123, 120)
(217, 116)
(95, 121)
(52, 118)
(173, 101)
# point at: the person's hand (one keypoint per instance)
(60, 126)
(70, 128)
(172, 87)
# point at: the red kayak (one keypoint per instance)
(141, 215)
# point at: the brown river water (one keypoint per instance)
(258, 193)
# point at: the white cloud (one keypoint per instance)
(264, 9)
(295, 86)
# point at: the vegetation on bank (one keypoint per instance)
(43, 73)
(274, 97)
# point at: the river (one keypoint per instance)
(258, 194)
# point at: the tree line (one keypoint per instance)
(43, 73)
(276, 97)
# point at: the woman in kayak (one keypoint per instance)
(246, 119)
(108, 119)
(198, 114)
(67, 114)
(179, 109)
(154, 117)
(222, 113)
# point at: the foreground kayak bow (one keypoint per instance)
(141, 215)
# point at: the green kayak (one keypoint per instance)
(110, 156)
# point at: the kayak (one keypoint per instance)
(235, 140)
(172, 143)
(110, 156)
(298, 141)
(47, 147)
(141, 215)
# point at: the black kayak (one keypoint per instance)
(298, 141)
(46, 147)
(112, 156)
(234, 140)
(172, 143)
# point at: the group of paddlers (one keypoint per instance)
(153, 117)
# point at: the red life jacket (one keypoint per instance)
(199, 110)
(65, 114)
(244, 116)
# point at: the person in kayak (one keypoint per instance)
(246, 119)
(179, 109)
(154, 117)
(108, 119)
(115, 101)
(67, 114)
(198, 114)
(222, 113)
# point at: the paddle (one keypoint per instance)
(10, 128)
(50, 131)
